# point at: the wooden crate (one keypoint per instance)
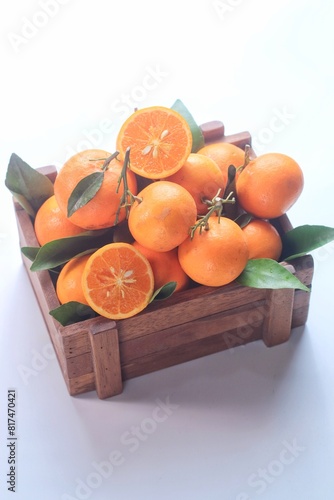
(100, 354)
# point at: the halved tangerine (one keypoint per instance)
(117, 281)
(159, 139)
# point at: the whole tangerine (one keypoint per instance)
(216, 255)
(166, 267)
(224, 154)
(162, 216)
(68, 284)
(269, 185)
(51, 223)
(101, 211)
(202, 177)
(263, 240)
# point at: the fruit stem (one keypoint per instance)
(106, 160)
(124, 201)
(247, 158)
(217, 206)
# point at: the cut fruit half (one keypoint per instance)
(159, 139)
(118, 281)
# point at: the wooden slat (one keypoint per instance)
(197, 349)
(242, 139)
(239, 319)
(106, 361)
(277, 325)
(186, 306)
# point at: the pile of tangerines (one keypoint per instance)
(178, 216)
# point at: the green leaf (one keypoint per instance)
(28, 186)
(164, 291)
(30, 252)
(267, 273)
(72, 312)
(57, 252)
(198, 139)
(303, 239)
(84, 191)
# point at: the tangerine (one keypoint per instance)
(159, 139)
(215, 256)
(51, 223)
(263, 240)
(224, 154)
(269, 185)
(68, 284)
(101, 211)
(166, 267)
(164, 216)
(202, 177)
(117, 281)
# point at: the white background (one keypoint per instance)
(70, 73)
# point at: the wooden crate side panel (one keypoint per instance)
(194, 350)
(173, 312)
(240, 319)
(42, 286)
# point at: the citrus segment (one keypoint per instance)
(100, 212)
(118, 281)
(159, 139)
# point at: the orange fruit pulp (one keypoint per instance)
(117, 281)
(159, 139)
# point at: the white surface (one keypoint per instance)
(235, 414)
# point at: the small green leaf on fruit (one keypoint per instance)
(303, 239)
(198, 138)
(267, 273)
(72, 312)
(28, 186)
(164, 291)
(84, 191)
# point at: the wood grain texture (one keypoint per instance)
(106, 362)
